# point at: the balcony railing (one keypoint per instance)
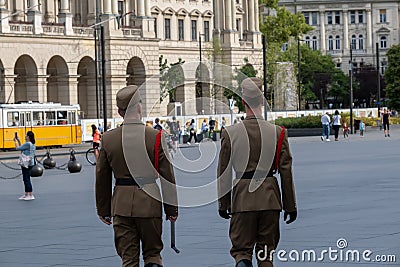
(83, 31)
(21, 27)
(334, 52)
(132, 31)
(53, 28)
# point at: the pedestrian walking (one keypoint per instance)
(223, 125)
(134, 209)
(174, 130)
(27, 161)
(192, 132)
(386, 122)
(336, 122)
(211, 126)
(96, 140)
(362, 128)
(254, 213)
(157, 124)
(204, 128)
(345, 130)
(326, 129)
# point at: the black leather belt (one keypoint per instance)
(255, 175)
(134, 182)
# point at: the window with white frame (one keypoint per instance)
(382, 16)
(181, 29)
(314, 18)
(155, 27)
(353, 41)
(361, 42)
(353, 17)
(329, 17)
(330, 42)
(206, 31)
(337, 41)
(307, 17)
(314, 43)
(167, 28)
(194, 30)
(308, 41)
(360, 16)
(337, 17)
(383, 42)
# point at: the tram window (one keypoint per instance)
(62, 118)
(37, 117)
(50, 118)
(12, 119)
(72, 117)
(28, 119)
(22, 119)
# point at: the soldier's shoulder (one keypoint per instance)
(150, 132)
(112, 133)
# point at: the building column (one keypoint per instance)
(73, 89)
(107, 7)
(91, 12)
(257, 16)
(114, 7)
(369, 30)
(251, 16)
(35, 16)
(65, 17)
(49, 15)
(322, 27)
(217, 16)
(228, 15)
(346, 29)
(233, 5)
(4, 26)
(147, 8)
(146, 21)
(141, 8)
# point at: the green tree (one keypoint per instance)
(280, 26)
(392, 77)
(171, 77)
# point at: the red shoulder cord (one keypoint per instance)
(279, 148)
(157, 150)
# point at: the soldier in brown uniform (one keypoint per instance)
(254, 203)
(135, 207)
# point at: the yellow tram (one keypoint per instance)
(52, 123)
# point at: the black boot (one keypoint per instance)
(244, 263)
(152, 265)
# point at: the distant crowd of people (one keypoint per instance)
(336, 122)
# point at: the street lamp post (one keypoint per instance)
(351, 88)
(379, 78)
(264, 44)
(298, 72)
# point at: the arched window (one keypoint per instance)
(338, 46)
(308, 41)
(314, 43)
(383, 42)
(353, 41)
(361, 42)
(330, 42)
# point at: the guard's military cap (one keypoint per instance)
(252, 91)
(129, 94)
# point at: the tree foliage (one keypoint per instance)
(171, 76)
(392, 77)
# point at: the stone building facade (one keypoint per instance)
(340, 24)
(47, 47)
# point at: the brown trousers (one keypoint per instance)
(254, 228)
(129, 231)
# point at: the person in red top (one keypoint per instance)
(96, 140)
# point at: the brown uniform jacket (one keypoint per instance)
(245, 149)
(131, 201)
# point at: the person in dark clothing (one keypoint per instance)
(157, 125)
(386, 122)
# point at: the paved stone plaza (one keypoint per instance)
(347, 189)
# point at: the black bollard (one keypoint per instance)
(73, 165)
(49, 162)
